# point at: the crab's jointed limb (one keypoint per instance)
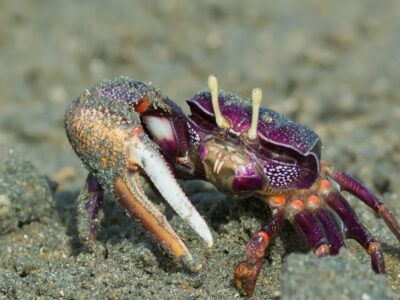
(105, 130)
(283, 167)
(90, 200)
(246, 272)
(357, 189)
(312, 216)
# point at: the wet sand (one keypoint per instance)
(332, 66)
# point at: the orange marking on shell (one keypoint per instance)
(142, 105)
(325, 184)
(277, 200)
(313, 199)
(324, 165)
(313, 202)
(297, 204)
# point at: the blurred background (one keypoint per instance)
(332, 65)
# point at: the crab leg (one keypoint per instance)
(93, 206)
(355, 230)
(333, 234)
(356, 188)
(90, 199)
(308, 227)
(246, 272)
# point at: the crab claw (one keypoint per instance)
(142, 152)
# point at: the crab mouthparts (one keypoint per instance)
(145, 153)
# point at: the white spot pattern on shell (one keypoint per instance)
(281, 176)
(194, 136)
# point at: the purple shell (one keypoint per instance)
(273, 127)
(246, 179)
(274, 130)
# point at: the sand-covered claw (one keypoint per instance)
(105, 129)
(144, 153)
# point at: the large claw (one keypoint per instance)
(132, 197)
(141, 151)
(105, 130)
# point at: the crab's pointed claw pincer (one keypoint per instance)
(133, 199)
(143, 152)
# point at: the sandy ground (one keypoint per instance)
(332, 66)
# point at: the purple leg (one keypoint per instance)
(93, 205)
(356, 188)
(355, 230)
(246, 272)
(309, 228)
(335, 237)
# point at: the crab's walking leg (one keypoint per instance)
(94, 204)
(247, 271)
(356, 188)
(308, 227)
(91, 199)
(355, 230)
(334, 235)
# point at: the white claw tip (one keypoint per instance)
(207, 237)
(256, 97)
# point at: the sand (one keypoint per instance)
(334, 66)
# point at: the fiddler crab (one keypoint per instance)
(124, 128)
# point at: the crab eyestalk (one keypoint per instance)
(213, 86)
(256, 97)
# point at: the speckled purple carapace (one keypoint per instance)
(246, 179)
(273, 127)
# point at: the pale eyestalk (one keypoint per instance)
(256, 97)
(214, 89)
